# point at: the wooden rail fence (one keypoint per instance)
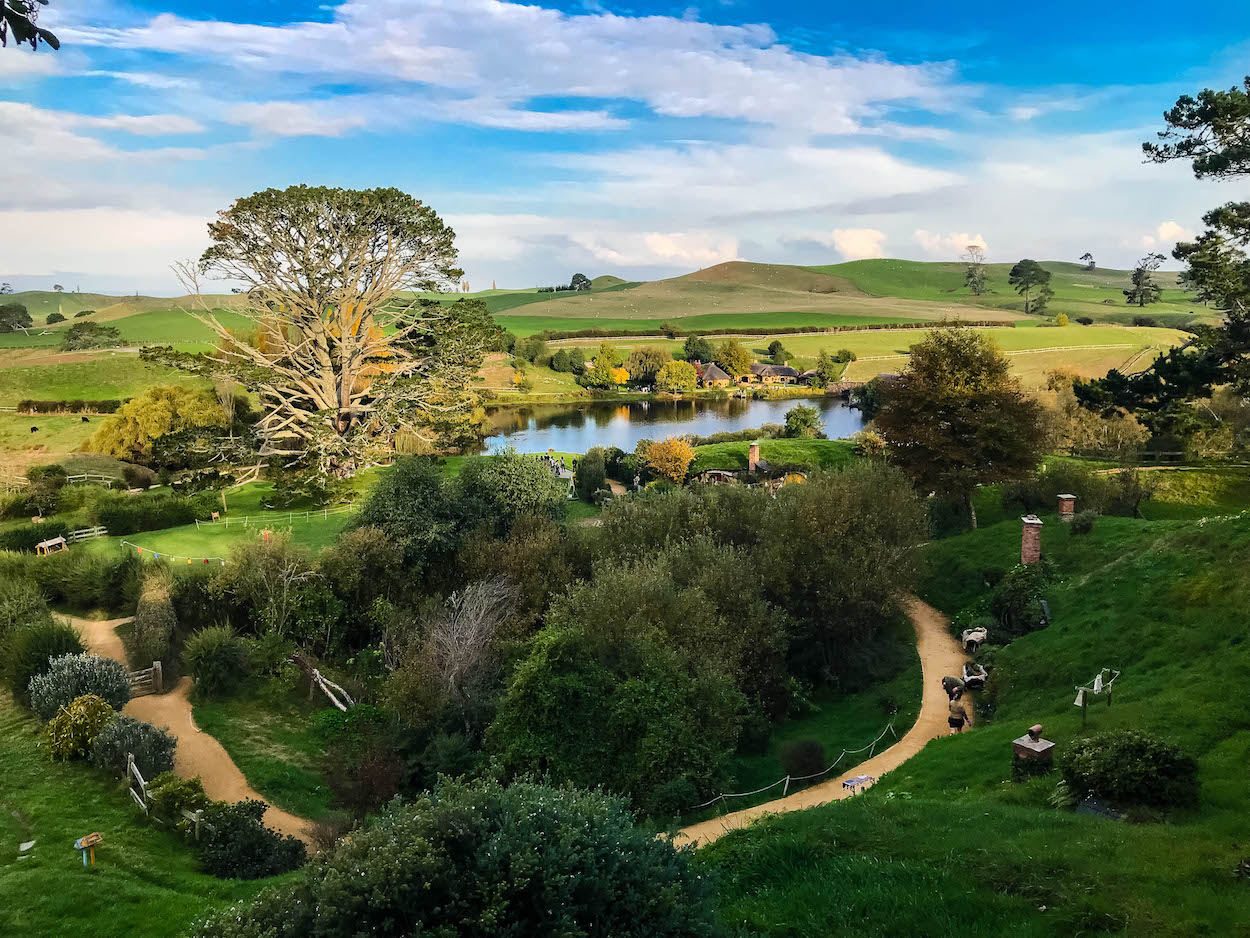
(87, 534)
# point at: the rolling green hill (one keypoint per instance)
(948, 844)
(1078, 292)
(39, 303)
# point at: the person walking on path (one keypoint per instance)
(958, 715)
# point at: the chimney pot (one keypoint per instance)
(1067, 507)
(1031, 539)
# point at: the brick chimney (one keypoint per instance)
(1031, 539)
(1067, 507)
(753, 456)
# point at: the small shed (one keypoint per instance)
(51, 546)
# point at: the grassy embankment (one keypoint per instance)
(145, 883)
(949, 845)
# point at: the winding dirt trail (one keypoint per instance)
(940, 655)
(197, 753)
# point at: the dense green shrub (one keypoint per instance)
(26, 536)
(590, 476)
(216, 658)
(22, 603)
(152, 747)
(237, 845)
(1041, 493)
(81, 579)
(803, 757)
(479, 859)
(169, 795)
(1129, 767)
(130, 514)
(629, 715)
(85, 335)
(75, 675)
(1083, 522)
(154, 624)
(1016, 602)
(33, 648)
(70, 733)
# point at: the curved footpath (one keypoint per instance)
(197, 753)
(940, 654)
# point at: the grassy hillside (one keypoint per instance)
(1078, 292)
(39, 303)
(145, 878)
(814, 454)
(110, 375)
(949, 845)
(138, 326)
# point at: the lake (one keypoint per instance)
(575, 428)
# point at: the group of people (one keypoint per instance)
(557, 466)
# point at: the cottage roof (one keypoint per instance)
(776, 371)
(713, 372)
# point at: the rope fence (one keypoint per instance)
(276, 517)
(785, 782)
(162, 555)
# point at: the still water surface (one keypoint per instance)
(575, 428)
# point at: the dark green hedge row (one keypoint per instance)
(68, 407)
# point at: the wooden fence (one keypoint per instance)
(147, 681)
(87, 534)
(139, 792)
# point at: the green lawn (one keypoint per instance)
(112, 376)
(948, 845)
(269, 736)
(145, 882)
(152, 327)
(813, 454)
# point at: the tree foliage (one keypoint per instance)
(675, 377)
(1144, 289)
(340, 357)
(670, 459)
(20, 18)
(478, 859)
(1032, 281)
(733, 357)
(129, 433)
(975, 275)
(87, 335)
(698, 349)
(13, 316)
(956, 419)
(1212, 131)
(645, 362)
(803, 420)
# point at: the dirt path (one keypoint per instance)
(940, 654)
(197, 753)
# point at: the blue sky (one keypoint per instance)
(641, 139)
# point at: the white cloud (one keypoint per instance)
(1166, 235)
(294, 119)
(471, 49)
(947, 246)
(857, 243)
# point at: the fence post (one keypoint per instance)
(158, 677)
(785, 789)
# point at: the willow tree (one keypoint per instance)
(341, 353)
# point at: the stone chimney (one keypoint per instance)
(753, 456)
(1031, 539)
(1067, 507)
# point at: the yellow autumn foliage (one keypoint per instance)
(128, 434)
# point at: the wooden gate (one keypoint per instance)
(148, 681)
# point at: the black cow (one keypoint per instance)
(34, 429)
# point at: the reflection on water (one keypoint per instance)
(575, 428)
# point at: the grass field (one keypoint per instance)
(1078, 292)
(59, 434)
(269, 736)
(144, 877)
(101, 376)
(141, 327)
(813, 454)
(948, 845)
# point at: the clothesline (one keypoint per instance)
(159, 555)
(796, 778)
